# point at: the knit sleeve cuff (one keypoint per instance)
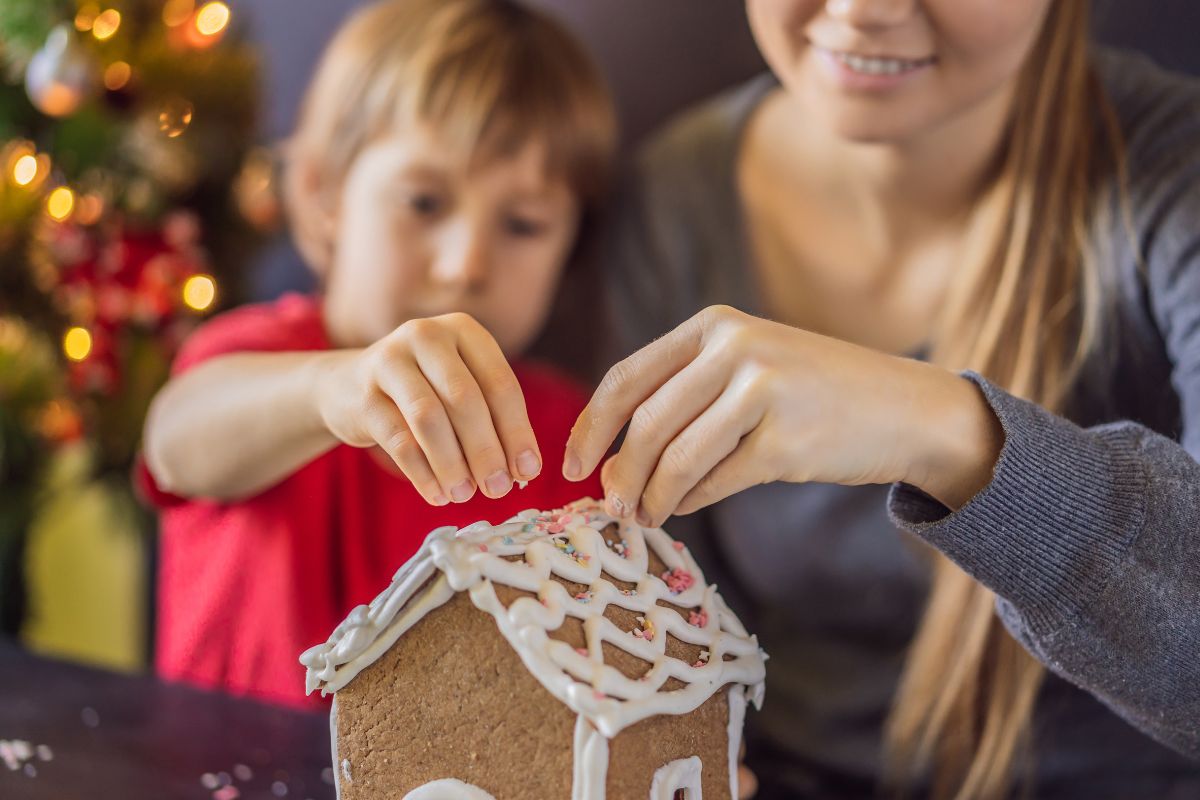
(1062, 509)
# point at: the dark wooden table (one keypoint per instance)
(98, 735)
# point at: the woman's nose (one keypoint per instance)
(870, 13)
(462, 262)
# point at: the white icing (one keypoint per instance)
(737, 715)
(590, 774)
(337, 783)
(448, 789)
(682, 773)
(371, 630)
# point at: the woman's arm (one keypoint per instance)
(1090, 537)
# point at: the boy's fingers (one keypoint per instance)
(427, 419)
(386, 426)
(504, 398)
(623, 389)
(469, 414)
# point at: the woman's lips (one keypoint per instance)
(859, 71)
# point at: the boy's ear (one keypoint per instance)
(312, 209)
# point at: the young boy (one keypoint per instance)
(446, 156)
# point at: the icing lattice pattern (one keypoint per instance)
(536, 552)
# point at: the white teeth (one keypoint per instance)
(877, 66)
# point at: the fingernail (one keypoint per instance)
(528, 464)
(616, 506)
(498, 483)
(463, 492)
(572, 467)
(643, 519)
(439, 499)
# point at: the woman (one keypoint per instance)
(979, 239)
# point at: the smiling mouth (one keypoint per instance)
(878, 65)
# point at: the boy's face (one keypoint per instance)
(421, 233)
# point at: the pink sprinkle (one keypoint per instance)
(559, 523)
(698, 664)
(483, 548)
(698, 618)
(678, 546)
(678, 580)
(582, 651)
(599, 695)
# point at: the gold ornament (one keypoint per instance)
(61, 75)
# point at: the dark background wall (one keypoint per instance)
(659, 55)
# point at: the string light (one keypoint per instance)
(212, 18)
(25, 170)
(177, 12)
(77, 343)
(116, 75)
(60, 203)
(106, 24)
(86, 17)
(199, 291)
(91, 208)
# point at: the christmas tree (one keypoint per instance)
(130, 192)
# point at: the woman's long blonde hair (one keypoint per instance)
(1026, 312)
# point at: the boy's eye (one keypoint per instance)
(425, 204)
(520, 226)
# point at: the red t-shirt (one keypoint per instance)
(244, 587)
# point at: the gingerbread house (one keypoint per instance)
(558, 655)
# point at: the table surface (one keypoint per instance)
(95, 734)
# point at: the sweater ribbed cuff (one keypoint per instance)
(1062, 509)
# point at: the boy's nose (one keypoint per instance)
(462, 262)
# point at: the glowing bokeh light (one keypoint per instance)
(199, 291)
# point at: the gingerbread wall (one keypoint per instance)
(452, 700)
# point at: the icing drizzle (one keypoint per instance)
(566, 543)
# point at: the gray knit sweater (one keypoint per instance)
(1089, 532)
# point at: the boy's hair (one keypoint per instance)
(488, 75)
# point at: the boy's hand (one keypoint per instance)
(440, 398)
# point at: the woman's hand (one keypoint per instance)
(727, 401)
(747, 782)
(440, 398)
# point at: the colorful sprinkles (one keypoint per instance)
(567, 548)
(698, 619)
(646, 631)
(621, 548)
(548, 523)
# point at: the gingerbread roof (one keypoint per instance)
(572, 563)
